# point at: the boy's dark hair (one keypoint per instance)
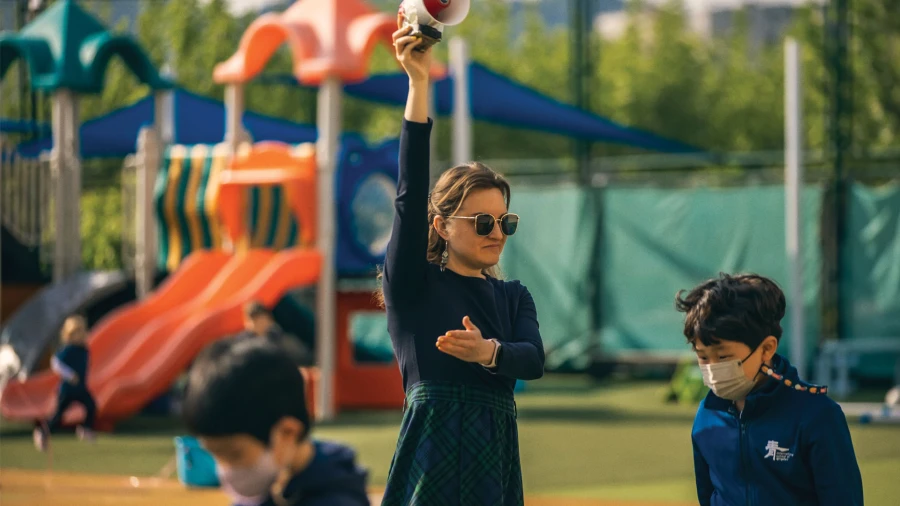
(254, 309)
(745, 308)
(243, 386)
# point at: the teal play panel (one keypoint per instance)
(67, 47)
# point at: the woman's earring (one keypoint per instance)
(445, 256)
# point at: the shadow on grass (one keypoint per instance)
(600, 414)
(172, 425)
(578, 384)
(380, 418)
(137, 426)
(587, 413)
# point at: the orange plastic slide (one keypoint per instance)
(138, 351)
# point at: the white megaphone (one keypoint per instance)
(428, 18)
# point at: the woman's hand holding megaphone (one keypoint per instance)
(415, 63)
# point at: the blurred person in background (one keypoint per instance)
(71, 364)
(461, 335)
(259, 322)
(761, 435)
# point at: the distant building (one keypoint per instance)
(767, 19)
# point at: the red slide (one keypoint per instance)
(139, 350)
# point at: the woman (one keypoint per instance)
(461, 336)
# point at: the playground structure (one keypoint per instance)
(169, 321)
(135, 334)
(67, 52)
(169, 326)
(139, 350)
(330, 45)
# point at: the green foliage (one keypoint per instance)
(101, 229)
(720, 93)
(876, 73)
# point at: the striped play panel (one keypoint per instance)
(186, 196)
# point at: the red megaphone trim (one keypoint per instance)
(435, 7)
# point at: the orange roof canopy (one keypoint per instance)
(326, 38)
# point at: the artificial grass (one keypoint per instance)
(607, 441)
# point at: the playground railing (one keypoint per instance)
(129, 212)
(26, 199)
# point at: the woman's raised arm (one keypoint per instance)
(405, 262)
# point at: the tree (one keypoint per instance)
(719, 93)
(488, 31)
(716, 94)
(876, 53)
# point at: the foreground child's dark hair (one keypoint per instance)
(243, 386)
(745, 308)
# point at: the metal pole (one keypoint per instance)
(73, 167)
(67, 182)
(793, 187)
(462, 102)
(837, 35)
(587, 79)
(234, 114)
(582, 73)
(329, 124)
(580, 68)
(164, 111)
(21, 19)
(59, 195)
(34, 7)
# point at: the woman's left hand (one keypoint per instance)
(468, 345)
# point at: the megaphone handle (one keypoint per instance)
(429, 36)
(426, 43)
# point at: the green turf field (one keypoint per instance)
(611, 441)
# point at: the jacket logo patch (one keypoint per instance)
(777, 453)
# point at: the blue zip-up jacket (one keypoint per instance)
(787, 448)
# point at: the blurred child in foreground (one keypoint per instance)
(245, 401)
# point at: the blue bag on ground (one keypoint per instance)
(196, 467)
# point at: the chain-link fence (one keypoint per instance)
(647, 226)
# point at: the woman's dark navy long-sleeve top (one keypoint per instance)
(423, 302)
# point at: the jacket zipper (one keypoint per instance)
(743, 451)
(744, 468)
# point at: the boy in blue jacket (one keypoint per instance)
(761, 436)
(245, 401)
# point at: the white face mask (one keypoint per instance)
(250, 486)
(727, 379)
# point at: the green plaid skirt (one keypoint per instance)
(459, 446)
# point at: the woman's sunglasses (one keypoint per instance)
(484, 223)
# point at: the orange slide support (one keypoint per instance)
(138, 351)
